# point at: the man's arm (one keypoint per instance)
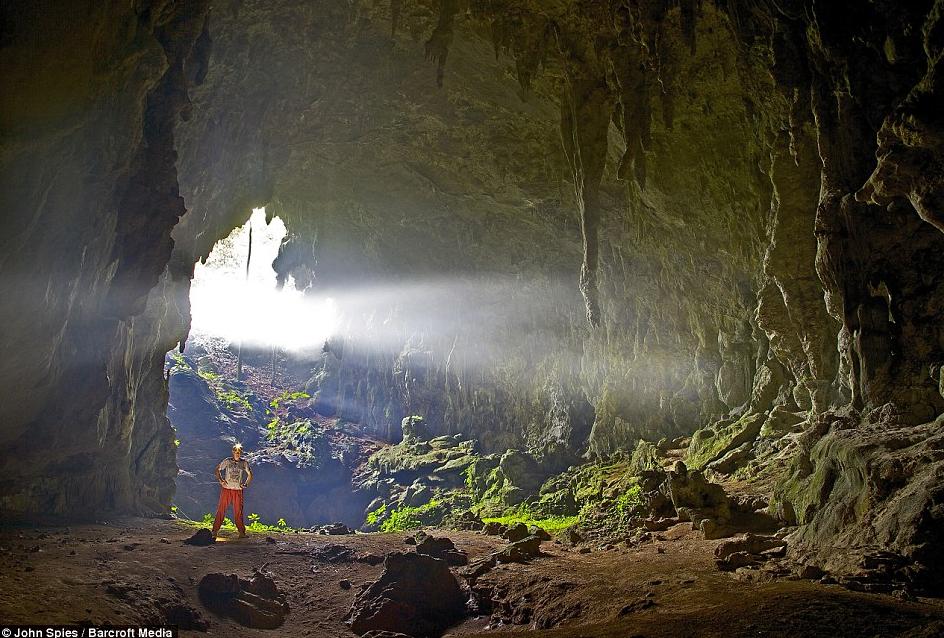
(219, 476)
(248, 476)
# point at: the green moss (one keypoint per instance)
(407, 518)
(710, 443)
(552, 524)
(629, 502)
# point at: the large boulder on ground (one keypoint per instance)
(516, 532)
(415, 594)
(255, 603)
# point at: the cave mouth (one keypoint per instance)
(236, 298)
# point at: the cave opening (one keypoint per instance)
(236, 296)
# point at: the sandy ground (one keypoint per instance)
(138, 571)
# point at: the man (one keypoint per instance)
(230, 475)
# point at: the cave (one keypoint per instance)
(597, 318)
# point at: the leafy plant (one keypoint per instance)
(373, 517)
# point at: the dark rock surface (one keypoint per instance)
(201, 537)
(415, 594)
(256, 603)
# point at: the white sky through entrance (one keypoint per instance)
(225, 303)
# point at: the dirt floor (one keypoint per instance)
(139, 571)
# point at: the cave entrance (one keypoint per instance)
(245, 376)
(235, 297)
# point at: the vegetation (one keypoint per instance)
(255, 525)
(278, 409)
(522, 514)
(232, 399)
(406, 518)
(374, 516)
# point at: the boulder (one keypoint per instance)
(256, 603)
(334, 529)
(750, 543)
(516, 532)
(520, 551)
(540, 532)
(415, 594)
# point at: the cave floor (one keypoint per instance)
(137, 570)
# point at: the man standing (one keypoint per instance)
(230, 475)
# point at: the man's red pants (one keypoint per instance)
(227, 497)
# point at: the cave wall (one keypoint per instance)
(89, 193)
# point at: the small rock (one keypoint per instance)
(735, 560)
(201, 537)
(583, 550)
(344, 584)
(165, 541)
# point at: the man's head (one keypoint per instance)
(237, 451)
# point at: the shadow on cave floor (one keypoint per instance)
(139, 571)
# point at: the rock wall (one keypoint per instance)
(90, 196)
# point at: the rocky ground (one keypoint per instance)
(139, 570)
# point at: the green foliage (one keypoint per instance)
(208, 376)
(255, 525)
(288, 397)
(628, 503)
(406, 518)
(232, 399)
(176, 442)
(277, 429)
(374, 516)
(522, 514)
(180, 364)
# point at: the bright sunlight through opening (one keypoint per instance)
(228, 303)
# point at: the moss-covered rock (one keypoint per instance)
(713, 442)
